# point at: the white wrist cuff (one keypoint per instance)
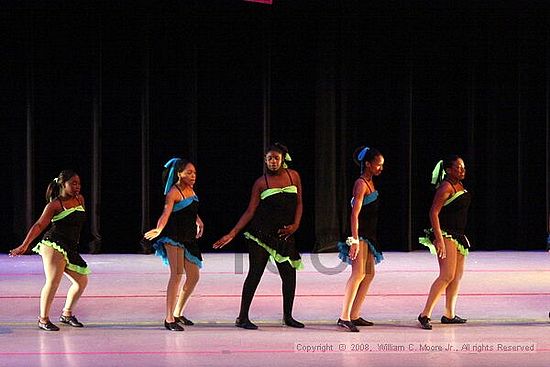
(352, 241)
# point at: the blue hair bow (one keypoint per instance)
(170, 179)
(361, 156)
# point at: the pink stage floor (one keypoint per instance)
(505, 296)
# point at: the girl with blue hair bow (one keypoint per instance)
(361, 250)
(181, 226)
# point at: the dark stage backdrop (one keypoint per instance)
(114, 89)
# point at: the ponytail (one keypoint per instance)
(53, 190)
(55, 185)
(439, 173)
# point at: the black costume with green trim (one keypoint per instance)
(452, 220)
(277, 208)
(64, 235)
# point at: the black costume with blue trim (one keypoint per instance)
(367, 231)
(181, 231)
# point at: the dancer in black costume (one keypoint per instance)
(181, 226)
(446, 239)
(273, 215)
(59, 247)
(361, 250)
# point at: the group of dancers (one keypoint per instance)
(272, 217)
